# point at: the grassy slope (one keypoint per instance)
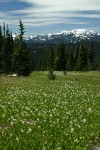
(37, 113)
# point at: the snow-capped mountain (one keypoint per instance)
(72, 36)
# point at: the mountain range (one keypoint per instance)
(39, 43)
(73, 36)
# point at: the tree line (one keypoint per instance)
(15, 57)
(62, 59)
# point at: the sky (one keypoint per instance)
(50, 16)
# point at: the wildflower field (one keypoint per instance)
(39, 114)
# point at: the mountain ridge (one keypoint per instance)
(72, 36)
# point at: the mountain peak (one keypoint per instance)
(74, 36)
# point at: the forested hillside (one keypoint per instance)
(38, 50)
(17, 56)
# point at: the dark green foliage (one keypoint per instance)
(21, 62)
(47, 61)
(65, 73)
(1, 37)
(57, 59)
(21, 56)
(70, 61)
(97, 66)
(76, 55)
(39, 49)
(81, 63)
(50, 58)
(42, 64)
(0, 48)
(90, 57)
(6, 51)
(80, 59)
(51, 75)
(60, 57)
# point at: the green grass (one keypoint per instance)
(39, 114)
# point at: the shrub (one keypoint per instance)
(51, 75)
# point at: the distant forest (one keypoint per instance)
(16, 56)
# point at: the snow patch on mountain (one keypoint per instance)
(75, 35)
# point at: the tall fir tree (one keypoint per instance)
(42, 63)
(47, 61)
(70, 61)
(81, 63)
(90, 57)
(9, 50)
(60, 57)
(3, 51)
(57, 61)
(21, 55)
(1, 37)
(76, 54)
(6, 51)
(49, 58)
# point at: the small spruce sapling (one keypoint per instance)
(51, 75)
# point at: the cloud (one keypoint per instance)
(61, 5)
(49, 12)
(58, 9)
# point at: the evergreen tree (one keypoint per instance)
(33, 64)
(21, 56)
(70, 61)
(57, 59)
(49, 58)
(90, 57)
(47, 61)
(1, 37)
(3, 51)
(6, 51)
(4, 30)
(9, 50)
(42, 64)
(82, 58)
(60, 57)
(76, 54)
(51, 75)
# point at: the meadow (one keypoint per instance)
(39, 114)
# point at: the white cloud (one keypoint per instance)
(48, 12)
(2, 14)
(57, 9)
(61, 5)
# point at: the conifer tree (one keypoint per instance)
(3, 51)
(6, 51)
(70, 61)
(9, 50)
(60, 57)
(90, 57)
(1, 37)
(42, 64)
(47, 61)
(57, 61)
(76, 54)
(21, 56)
(82, 58)
(49, 58)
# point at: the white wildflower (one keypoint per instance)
(72, 130)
